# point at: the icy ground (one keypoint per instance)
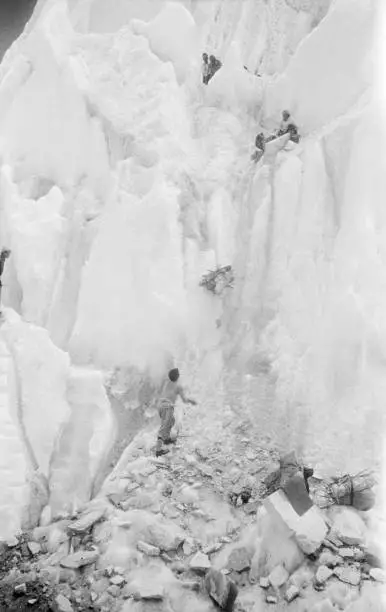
(124, 179)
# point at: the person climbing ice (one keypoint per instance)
(169, 394)
(214, 65)
(4, 254)
(205, 68)
(285, 122)
(260, 147)
(288, 126)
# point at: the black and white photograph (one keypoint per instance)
(192, 305)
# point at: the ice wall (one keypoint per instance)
(267, 33)
(13, 461)
(331, 69)
(124, 179)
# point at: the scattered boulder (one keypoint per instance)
(221, 589)
(252, 507)
(239, 559)
(114, 590)
(117, 498)
(69, 576)
(278, 576)
(189, 546)
(50, 575)
(148, 591)
(323, 574)
(20, 589)
(309, 529)
(80, 559)
(359, 554)
(86, 521)
(264, 582)
(100, 586)
(63, 604)
(162, 533)
(348, 526)
(291, 593)
(105, 602)
(328, 558)
(350, 575)
(117, 580)
(332, 542)
(347, 553)
(200, 562)
(148, 549)
(302, 577)
(34, 548)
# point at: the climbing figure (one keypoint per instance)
(170, 392)
(286, 119)
(260, 147)
(214, 66)
(287, 126)
(5, 253)
(293, 132)
(205, 68)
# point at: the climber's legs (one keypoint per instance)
(166, 412)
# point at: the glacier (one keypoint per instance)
(123, 180)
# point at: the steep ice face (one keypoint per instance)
(329, 71)
(124, 180)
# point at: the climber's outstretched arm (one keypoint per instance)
(184, 398)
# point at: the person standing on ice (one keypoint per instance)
(170, 392)
(5, 253)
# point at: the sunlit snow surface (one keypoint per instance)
(124, 179)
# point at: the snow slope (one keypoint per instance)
(123, 180)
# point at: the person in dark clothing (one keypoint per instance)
(260, 141)
(214, 66)
(260, 147)
(5, 253)
(286, 119)
(288, 126)
(293, 132)
(170, 392)
(205, 68)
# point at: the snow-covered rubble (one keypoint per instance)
(111, 557)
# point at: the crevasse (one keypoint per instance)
(123, 180)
